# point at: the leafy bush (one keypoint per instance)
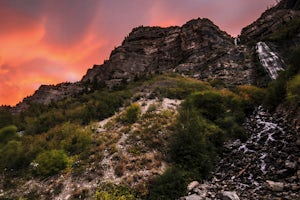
(114, 192)
(11, 155)
(8, 133)
(132, 113)
(6, 117)
(51, 162)
(169, 185)
(190, 148)
(293, 89)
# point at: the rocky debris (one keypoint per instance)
(198, 49)
(266, 166)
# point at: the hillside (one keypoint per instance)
(175, 113)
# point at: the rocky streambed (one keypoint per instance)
(266, 166)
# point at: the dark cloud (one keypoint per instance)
(67, 22)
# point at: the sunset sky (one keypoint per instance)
(53, 41)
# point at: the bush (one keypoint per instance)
(169, 185)
(8, 133)
(190, 148)
(11, 155)
(132, 113)
(51, 162)
(293, 89)
(114, 192)
(6, 117)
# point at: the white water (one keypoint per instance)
(269, 60)
(266, 129)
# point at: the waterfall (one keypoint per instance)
(269, 60)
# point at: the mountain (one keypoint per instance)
(170, 106)
(198, 49)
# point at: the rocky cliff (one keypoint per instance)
(198, 49)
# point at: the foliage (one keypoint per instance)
(178, 87)
(190, 148)
(51, 162)
(132, 113)
(8, 133)
(97, 105)
(70, 137)
(169, 185)
(11, 155)
(6, 118)
(293, 89)
(290, 29)
(109, 191)
(285, 86)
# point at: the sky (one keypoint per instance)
(54, 41)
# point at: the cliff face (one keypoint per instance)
(198, 49)
(272, 20)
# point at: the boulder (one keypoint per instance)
(193, 197)
(275, 186)
(192, 185)
(228, 195)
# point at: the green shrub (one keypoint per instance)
(114, 192)
(51, 162)
(132, 113)
(6, 118)
(170, 185)
(190, 148)
(8, 133)
(293, 89)
(11, 155)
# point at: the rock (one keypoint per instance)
(193, 197)
(192, 185)
(290, 165)
(298, 142)
(227, 195)
(295, 187)
(275, 186)
(198, 49)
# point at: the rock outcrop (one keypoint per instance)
(198, 49)
(49, 93)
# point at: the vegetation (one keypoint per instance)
(286, 87)
(291, 29)
(170, 185)
(206, 119)
(115, 192)
(132, 113)
(56, 136)
(51, 162)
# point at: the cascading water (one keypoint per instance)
(269, 60)
(262, 157)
